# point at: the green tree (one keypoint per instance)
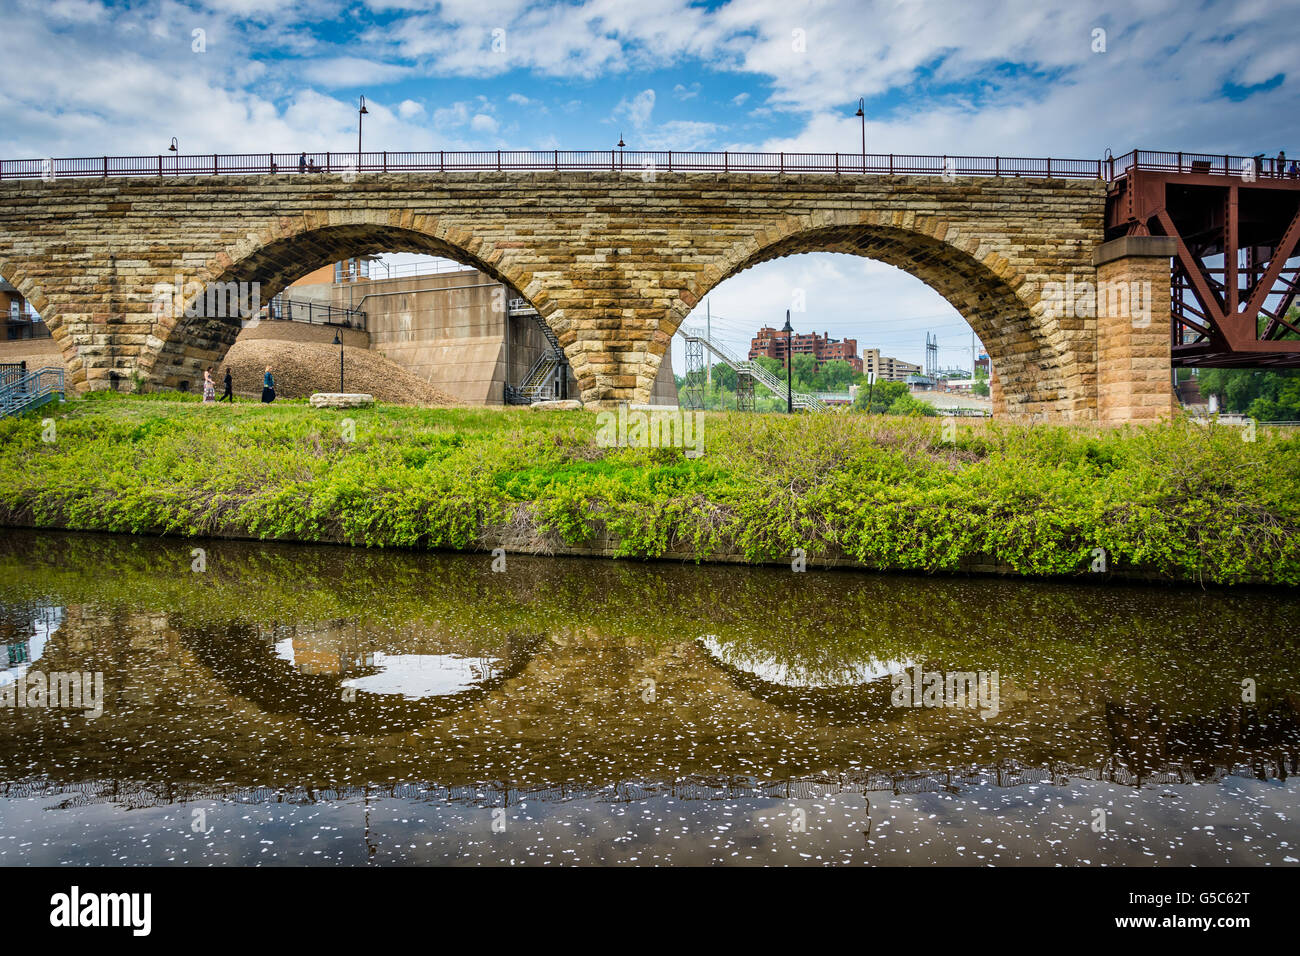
(909, 404)
(1263, 395)
(882, 397)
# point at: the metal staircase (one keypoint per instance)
(23, 393)
(755, 371)
(538, 382)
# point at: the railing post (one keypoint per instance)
(442, 165)
(891, 164)
(1049, 167)
(781, 168)
(670, 160)
(214, 164)
(498, 160)
(837, 163)
(556, 159)
(385, 160)
(105, 167)
(997, 166)
(726, 162)
(1180, 160)
(328, 164)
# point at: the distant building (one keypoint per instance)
(887, 369)
(21, 320)
(771, 343)
(982, 365)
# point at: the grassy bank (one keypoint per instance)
(1184, 502)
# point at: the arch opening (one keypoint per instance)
(443, 317)
(1027, 353)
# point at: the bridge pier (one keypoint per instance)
(1134, 365)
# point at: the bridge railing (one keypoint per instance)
(630, 161)
(638, 162)
(1214, 164)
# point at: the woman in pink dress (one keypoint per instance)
(209, 387)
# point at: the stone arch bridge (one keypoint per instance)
(612, 260)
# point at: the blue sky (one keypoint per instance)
(941, 76)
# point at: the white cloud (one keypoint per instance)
(636, 110)
(409, 109)
(482, 123)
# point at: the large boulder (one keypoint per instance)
(341, 400)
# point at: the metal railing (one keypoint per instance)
(1211, 164)
(751, 368)
(31, 391)
(636, 161)
(312, 313)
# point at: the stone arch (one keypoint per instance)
(1036, 373)
(289, 248)
(30, 289)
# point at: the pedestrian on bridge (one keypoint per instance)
(268, 387)
(302, 162)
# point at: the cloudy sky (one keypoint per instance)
(1019, 77)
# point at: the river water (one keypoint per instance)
(261, 704)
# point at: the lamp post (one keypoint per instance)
(862, 113)
(338, 340)
(789, 362)
(361, 111)
(621, 144)
(175, 149)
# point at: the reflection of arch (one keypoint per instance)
(290, 249)
(241, 662)
(1028, 350)
(834, 706)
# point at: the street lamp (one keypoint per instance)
(338, 340)
(621, 144)
(862, 103)
(175, 147)
(361, 111)
(789, 361)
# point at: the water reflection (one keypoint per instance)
(306, 679)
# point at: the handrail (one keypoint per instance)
(637, 162)
(632, 162)
(24, 392)
(752, 368)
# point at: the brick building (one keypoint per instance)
(771, 342)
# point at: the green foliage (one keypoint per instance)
(1179, 501)
(1266, 396)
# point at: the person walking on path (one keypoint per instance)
(209, 387)
(302, 162)
(229, 394)
(268, 387)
